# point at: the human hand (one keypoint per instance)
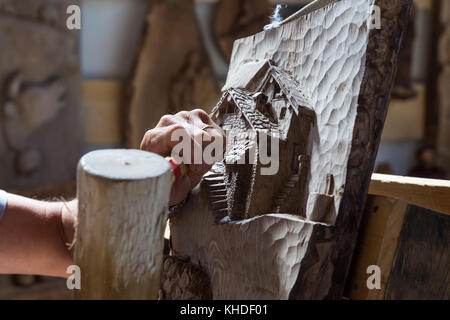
(197, 128)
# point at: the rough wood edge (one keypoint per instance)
(381, 64)
(377, 245)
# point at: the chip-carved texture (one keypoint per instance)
(185, 288)
(326, 54)
(258, 258)
(40, 82)
(348, 72)
(269, 107)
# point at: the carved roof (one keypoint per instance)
(255, 76)
(247, 105)
(291, 88)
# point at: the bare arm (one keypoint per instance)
(33, 237)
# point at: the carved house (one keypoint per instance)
(269, 122)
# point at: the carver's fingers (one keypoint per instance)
(184, 136)
(203, 121)
(194, 128)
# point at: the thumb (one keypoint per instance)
(180, 190)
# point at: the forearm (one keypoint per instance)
(33, 236)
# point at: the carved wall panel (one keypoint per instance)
(40, 122)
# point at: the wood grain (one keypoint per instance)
(346, 71)
(271, 246)
(377, 245)
(382, 54)
(427, 193)
(422, 261)
(123, 200)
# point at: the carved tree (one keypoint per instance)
(40, 89)
(320, 83)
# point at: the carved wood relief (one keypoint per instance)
(321, 84)
(39, 97)
(268, 105)
(173, 71)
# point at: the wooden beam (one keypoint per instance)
(428, 193)
(123, 197)
(377, 244)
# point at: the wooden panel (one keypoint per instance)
(281, 256)
(377, 245)
(422, 263)
(405, 118)
(428, 193)
(102, 109)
